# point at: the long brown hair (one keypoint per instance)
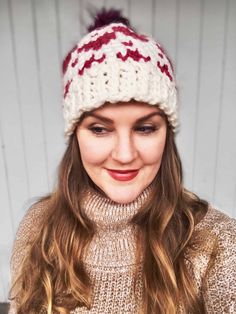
(52, 277)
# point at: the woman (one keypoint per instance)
(120, 233)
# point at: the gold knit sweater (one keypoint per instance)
(110, 260)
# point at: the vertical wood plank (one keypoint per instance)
(49, 66)
(87, 7)
(8, 94)
(29, 97)
(11, 126)
(5, 274)
(165, 21)
(187, 73)
(209, 95)
(3, 292)
(69, 26)
(120, 5)
(6, 223)
(225, 172)
(7, 217)
(143, 24)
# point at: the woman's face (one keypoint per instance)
(122, 136)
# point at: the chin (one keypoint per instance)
(122, 200)
(123, 195)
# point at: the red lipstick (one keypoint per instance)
(123, 175)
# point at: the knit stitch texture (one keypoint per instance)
(115, 64)
(110, 260)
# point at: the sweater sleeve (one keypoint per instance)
(28, 227)
(219, 285)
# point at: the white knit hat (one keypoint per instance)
(116, 64)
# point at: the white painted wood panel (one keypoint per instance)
(49, 67)
(188, 56)
(208, 106)
(6, 224)
(69, 22)
(144, 24)
(165, 20)
(11, 124)
(35, 36)
(88, 8)
(224, 193)
(13, 158)
(123, 5)
(28, 89)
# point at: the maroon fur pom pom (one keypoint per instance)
(105, 17)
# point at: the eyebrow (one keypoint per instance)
(109, 121)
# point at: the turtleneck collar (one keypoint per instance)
(106, 213)
(115, 241)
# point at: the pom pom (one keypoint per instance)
(105, 17)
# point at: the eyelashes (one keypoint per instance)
(146, 129)
(98, 130)
(143, 130)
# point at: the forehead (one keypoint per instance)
(132, 109)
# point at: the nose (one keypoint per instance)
(124, 150)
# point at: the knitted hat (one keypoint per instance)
(113, 63)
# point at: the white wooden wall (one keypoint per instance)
(35, 36)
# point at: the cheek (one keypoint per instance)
(92, 151)
(152, 150)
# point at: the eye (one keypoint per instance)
(98, 130)
(146, 129)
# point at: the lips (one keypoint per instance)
(123, 175)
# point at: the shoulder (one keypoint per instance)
(212, 261)
(29, 226)
(218, 286)
(217, 222)
(213, 242)
(220, 233)
(32, 218)
(27, 229)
